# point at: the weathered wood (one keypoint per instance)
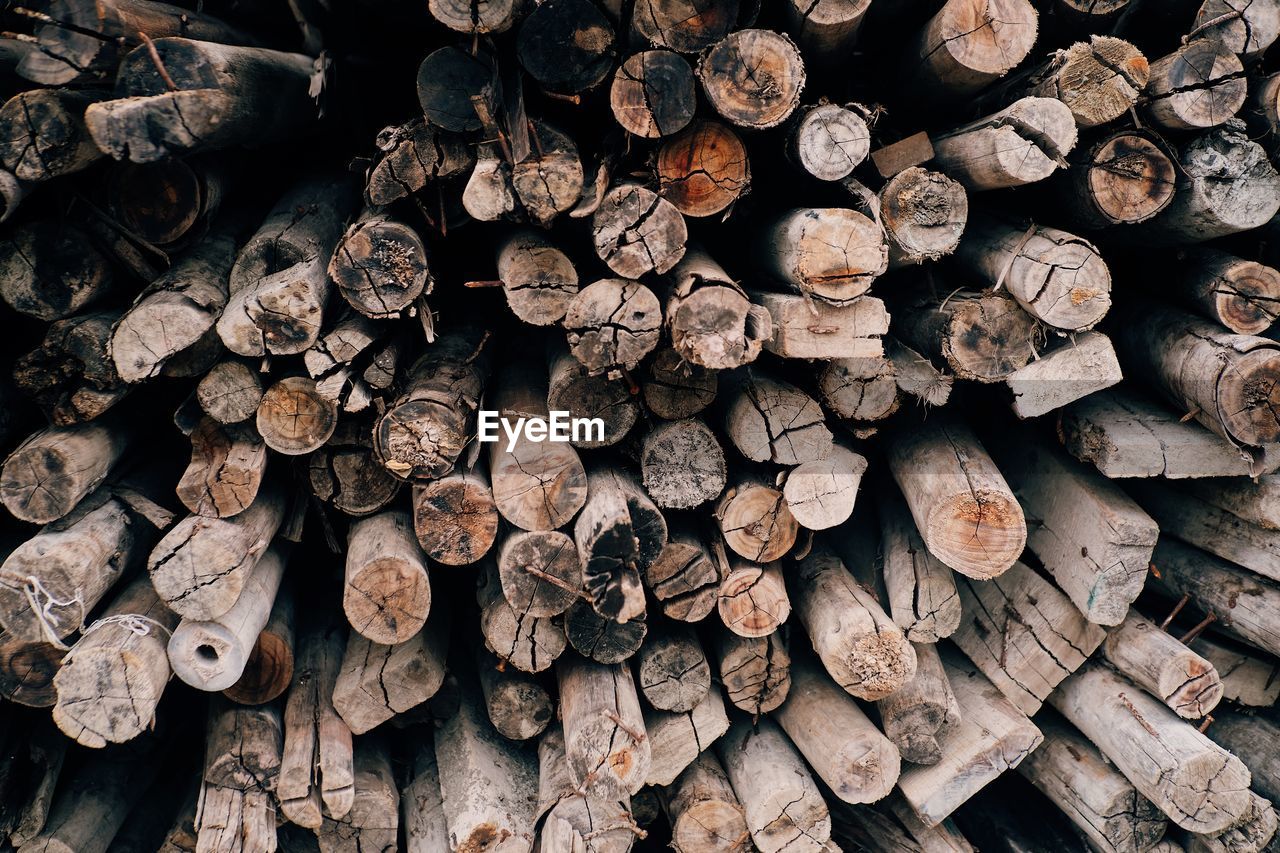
(916, 375)
(27, 670)
(675, 388)
(684, 26)
(653, 94)
(814, 329)
(612, 324)
(1251, 737)
(772, 421)
(529, 643)
(1200, 786)
(605, 739)
(919, 715)
(1081, 366)
(682, 464)
(111, 681)
(212, 96)
(1199, 85)
(635, 231)
(42, 752)
(566, 45)
(230, 392)
(829, 253)
(43, 136)
(703, 169)
(379, 266)
(571, 388)
(538, 279)
(571, 818)
(982, 337)
(212, 654)
(992, 737)
(373, 823)
(863, 389)
(193, 190)
(1021, 144)
(1090, 536)
(921, 591)
(411, 156)
(455, 517)
(1240, 294)
(600, 638)
(923, 214)
(858, 643)
(226, 469)
(970, 44)
(1100, 80)
(755, 521)
(236, 809)
(703, 811)
(269, 671)
(492, 17)
(1094, 796)
(711, 321)
(518, 706)
(49, 270)
(548, 182)
(1164, 667)
(780, 799)
(753, 600)
(54, 469)
(1252, 835)
(753, 77)
(619, 533)
(425, 827)
(448, 79)
(377, 682)
(828, 141)
(71, 375)
(821, 494)
(678, 738)
(355, 361)
(962, 506)
(1246, 678)
(540, 572)
(1124, 178)
(347, 474)
(755, 672)
(387, 593)
(684, 578)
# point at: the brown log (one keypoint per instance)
(540, 572)
(50, 271)
(923, 214)
(567, 46)
(981, 337)
(496, 16)
(529, 643)
(43, 136)
(538, 279)
(711, 321)
(574, 819)
(346, 472)
(753, 599)
(447, 80)
(704, 169)
(755, 671)
(1155, 661)
(379, 266)
(920, 714)
(604, 732)
(684, 578)
(373, 823)
(821, 494)
(455, 517)
(293, 418)
(518, 706)
(672, 669)
(411, 156)
(387, 594)
(425, 828)
(684, 26)
(27, 670)
(753, 78)
(600, 638)
(619, 533)
(1021, 144)
(230, 392)
(226, 469)
(676, 389)
(193, 190)
(549, 181)
(1100, 80)
(1078, 367)
(636, 231)
(921, 591)
(970, 44)
(678, 738)
(682, 464)
(799, 250)
(863, 389)
(377, 682)
(1240, 294)
(571, 388)
(653, 94)
(269, 671)
(1253, 833)
(772, 421)
(754, 519)
(54, 469)
(703, 811)
(1199, 85)
(1124, 178)
(71, 375)
(613, 324)
(236, 809)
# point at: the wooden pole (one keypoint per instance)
(821, 494)
(574, 819)
(605, 741)
(71, 375)
(1199, 85)
(754, 519)
(684, 578)
(772, 421)
(377, 682)
(1164, 667)
(347, 474)
(612, 324)
(230, 392)
(755, 671)
(43, 136)
(677, 738)
(374, 819)
(711, 321)
(50, 472)
(982, 337)
(703, 810)
(269, 671)
(619, 533)
(921, 591)
(798, 250)
(529, 643)
(236, 809)
(674, 389)
(228, 463)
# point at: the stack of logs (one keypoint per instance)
(486, 481)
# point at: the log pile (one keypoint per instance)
(596, 426)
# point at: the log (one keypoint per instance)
(1240, 294)
(12, 192)
(772, 421)
(1091, 537)
(573, 819)
(684, 579)
(27, 670)
(755, 521)
(540, 572)
(211, 655)
(1250, 736)
(703, 811)
(826, 31)
(753, 78)
(537, 278)
(703, 169)
(43, 754)
(799, 250)
(230, 392)
(411, 156)
(992, 737)
(916, 375)
(354, 361)
(968, 45)
(1058, 278)
(1200, 786)
(678, 738)
(604, 734)
(821, 494)
(965, 512)
(982, 337)
(111, 681)
(71, 375)
(1077, 368)
(923, 214)
(455, 517)
(236, 809)
(828, 141)
(1126, 177)
(373, 822)
(813, 329)
(518, 706)
(549, 181)
(49, 270)
(1098, 800)
(379, 266)
(529, 643)
(860, 646)
(270, 668)
(1164, 667)
(212, 97)
(753, 599)
(921, 591)
(496, 16)
(600, 638)
(201, 565)
(1250, 500)
(377, 682)
(1199, 85)
(844, 748)
(920, 714)
(425, 828)
(279, 284)
(711, 320)
(194, 190)
(1248, 31)
(424, 431)
(43, 136)
(1021, 144)
(780, 799)
(676, 389)
(612, 324)
(1100, 80)
(635, 231)
(653, 94)
(567, 46)
(571, 388)
(682, 464)
(54, 469)
(227, 465)
(1246, 678)
(672, 669)
(619, 533)
(447, 80)
(1253, 834)
(387, 593)
(755, 672)
(347, 474)
(684, 27)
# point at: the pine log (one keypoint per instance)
(678, 738)
(1081, 366)
(425, 827)
(1246, 677)
(538, 279)
(377, 682)
(682, 464)
(970, 44)
(49, 270)
(1199, 85)
(447, 81)
(43, 136)
(635, 231)
(1090, 536)
(226, 469)
(828, 141)
(755, 672)
(211, 655)
(518, 706)
(54, 469)
(703, 169)
(1240, 294)
(373, 823)
(567, 46)
(684, 26)
(270, 668)
(494, 16)
(1251, 737)
(619, 534)
(1124, 178)
(711, 321)
(379, 266)
(424, 431)
(962, 506)
(703, 811)
(571, 388)
(571, 818)
(684, 579)
(653, 94)
(27, 670)
(605, 740)
(317, 776)
(982, 337)
(411, 156)
(71, 375)
(821, 494)
(830, 253)
(201, 565)
(230, 392)
(1163, 666)
(612, 324)
(923, 214)
(387, 594)
(753, 77)
(540, 572)
(754, 519)
(862, 389)
(1200, 786)
(600, 638)
(347, 474)
(858, 643)
(753, 599)
(676, 389)
(1021, 144)
(921, 591)
(993, 736)
(918, 716)
(781, 801)
(529, 643)
(211, 97)
(772, 421)
(815, 329)
(237, 810)
(111, 681)
(844, 748)
(1101, 802)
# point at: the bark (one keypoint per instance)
(753, 78)
(604, 733)
(704, 169)
(1021, 144)
(921, 591)
(677, 738)
(653, 94)
(236, 809)
(387, 594)
(619, 534)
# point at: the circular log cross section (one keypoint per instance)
(704, 169)
(654, 94)
(294, 419)
(753, 78)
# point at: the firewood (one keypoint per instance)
(711, 320)
(425, 828)
(518, 706)
(230, 392)
(194, 189)
(211, 97)
(799, 250)
(1164, 667)
(1101, 802)
(684, 578)
(828, 141)
(780, 799)
(600, 638)
(682, 464)
(682, 26)
(992, 737)
(703, 811)
(455, 517)
(1024, 634)
(71, 375)
(677, 738)
(968, 45)
(676, 389)
(411, 156)
(12, 192)
(377, 682)
(612, 324)
(821, 494)
(916, 375)
(1199, 85)
(923, 214)
(44, 751)
(1249, 736)
(1100, 80)
(571, 818)
(571, 388)
(773, 421)
(346, 473)
(237, 808)
(447, 80)
(550, 180)
(1250, 500)
(379, 265)
(269, 671)
(962, 506)
(43, 136)
(538, 279)
(845, 749)
(703, 169)
(858, 643)
(54, 469)
(921, 591)
(619, 533)
(604, 732)
(489, 194)
(111, 681)
(1246, 678)
(374, 819)
(983, 337)
(212, 654)
(1126, 177)
(1254, 833)
(1240, 294)
(1075, 369)
(755, 521)
(529, 643)
(226, 470)
(814, 329)
(1021, 144)
(27, 670)
(317, 775)
(496, 17)
(566, 45)
(753, 599)
(387, 595)
(424, 431)
(50, 270)
(355, 361)
(918, 716)
(1200, 786)
(755, 671)
(540, 572)
(672, 669)
(653, 94)
(763, 98)
(636, 231)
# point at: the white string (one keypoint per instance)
(135, 622)
(33, 589)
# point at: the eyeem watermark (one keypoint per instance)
(558, 426)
